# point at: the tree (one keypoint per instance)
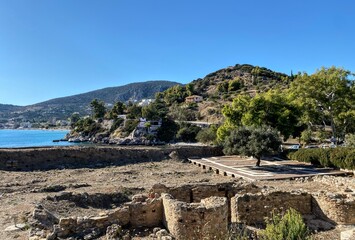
(182, 112)
(272, 108)
(188, 132)
(190, 89)
(207, 135)
(134, 111)
(116, 110)
(98, 108)
(174, 94)
(326, 97)
(74, 118)
(168, 130)
(252, 141)
(155, 110)
(234, 85)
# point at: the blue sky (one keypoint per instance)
(55, 48)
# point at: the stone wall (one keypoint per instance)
(148, 213)
(145, 213)
(205, 220)
(252, 209)
(74, 157)
(81, 226)
(197, 192)
(336, 208)
(199, 211)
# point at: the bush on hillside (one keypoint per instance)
(168, 130)
(87, 126)
(188, 133)
(207, 135)
(116, 124)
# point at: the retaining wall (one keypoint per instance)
(73, 157)
(252, 209)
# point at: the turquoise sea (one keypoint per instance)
(31, 138)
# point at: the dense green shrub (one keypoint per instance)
(324, 157)
(306, 155)
(350, 160)
(350, 140)
(207, 135)
(288, 227)
(168, 130)
(87, 126)
(340, 157)
(188, 133)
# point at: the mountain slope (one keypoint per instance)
(132, 91)
(62, 108)
(8, 108)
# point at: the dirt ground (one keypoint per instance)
(20, 191)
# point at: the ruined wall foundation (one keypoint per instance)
(200, 211)
(205, 220)
(252, 209)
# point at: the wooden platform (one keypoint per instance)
(236, 166)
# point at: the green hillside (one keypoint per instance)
(62, 108)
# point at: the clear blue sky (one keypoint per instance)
(55, 48)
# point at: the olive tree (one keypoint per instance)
(252, 141)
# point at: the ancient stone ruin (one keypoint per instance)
(198, 211)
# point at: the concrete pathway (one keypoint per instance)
(236, 166)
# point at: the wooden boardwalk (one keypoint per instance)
(236, 166)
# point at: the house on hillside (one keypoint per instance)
(145, 102)
(151, 127)
(194, 99)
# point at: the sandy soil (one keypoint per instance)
(20, 191)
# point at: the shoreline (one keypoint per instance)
(31, 129)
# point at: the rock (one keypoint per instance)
(43, 218)
(53, 188)
(114, 232)
(53, 235)
(174, 155)
(347, 235)
(155, 230)
(166, 238)
(15, 228)
(139, 198)
(162, 233)
(126, 237)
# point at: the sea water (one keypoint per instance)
(31, 138)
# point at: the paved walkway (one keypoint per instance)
(236, 166)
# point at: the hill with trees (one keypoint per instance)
(62, 108)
